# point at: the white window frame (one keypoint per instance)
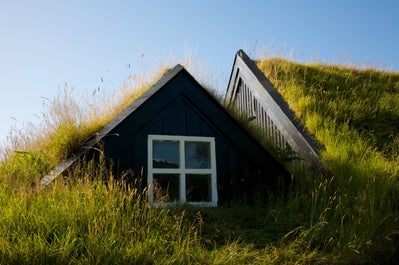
(182, 171)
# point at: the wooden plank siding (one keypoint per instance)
(179, 105)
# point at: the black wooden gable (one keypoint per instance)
(178, 105)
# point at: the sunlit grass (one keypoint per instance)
(354, 114)
(350, 216)
(67, 122)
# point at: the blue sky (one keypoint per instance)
(45, 44)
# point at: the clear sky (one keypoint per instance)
(45, 44)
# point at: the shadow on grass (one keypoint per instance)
(251, 225)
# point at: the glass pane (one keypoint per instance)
(197, 155)
(198, 188)
(166, 187)
(165, 154)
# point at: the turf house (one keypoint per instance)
(163, 171)
(184, 146)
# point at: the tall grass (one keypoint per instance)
(81, 220)
(354, 114)
(89, 222)
(349, 217)
(67, 122)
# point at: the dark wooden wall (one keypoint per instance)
(183, 107)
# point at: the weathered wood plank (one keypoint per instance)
(280, 123)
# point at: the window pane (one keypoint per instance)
(165, 154)
(198, 188)
(197, 155)
(166, 187)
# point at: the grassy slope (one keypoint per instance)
(350, 217)
(355, 114)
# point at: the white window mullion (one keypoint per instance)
(182, 190)
(214, 193)
(149, 173)
(182, 171)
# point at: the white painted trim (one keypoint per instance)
(150, 172)
(182, 163)
(214, 193)
(182, 170)
(204, 171)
